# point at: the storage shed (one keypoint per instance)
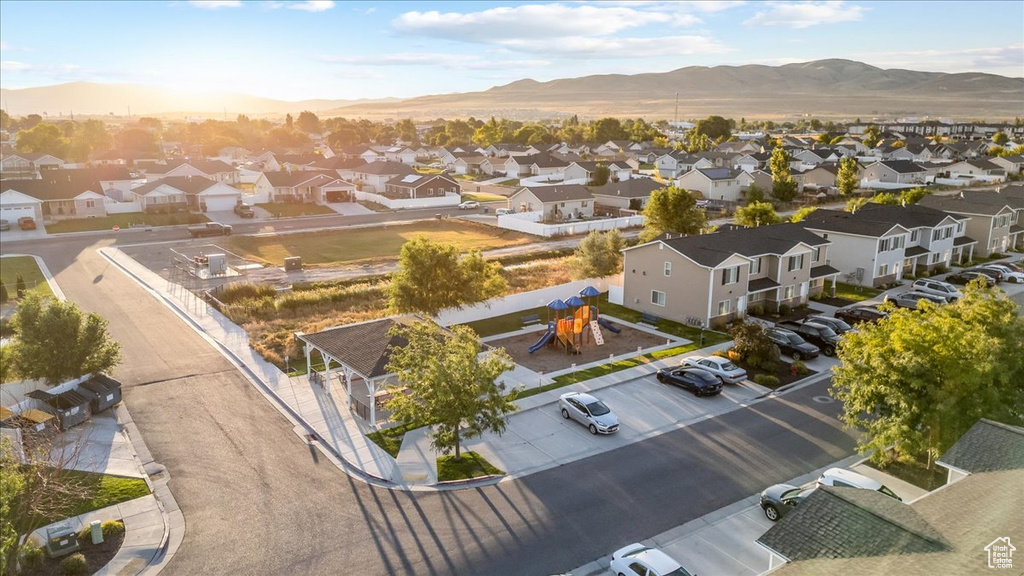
(71, 408)
(102, 391)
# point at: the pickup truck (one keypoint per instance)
(244, 210)
(209, 229)
(818, 334)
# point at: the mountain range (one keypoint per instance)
(823, 89)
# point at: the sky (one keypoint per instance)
(295, 50)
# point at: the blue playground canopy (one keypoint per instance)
(575, 301)
(557, 304)
(589, 292)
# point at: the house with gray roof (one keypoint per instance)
(988, 446)
(895, 172)
(556, 203)
(990, 217)
(186, 193)
(713, 279)
(305, 186)
(713, 183)
(212, 169)
(631, 194)
(423, 186)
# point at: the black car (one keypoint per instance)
(837, 325)
(859, 314)
(700, 382)
(970, 275)
(781, 498)
(793, 344)
(818, 334)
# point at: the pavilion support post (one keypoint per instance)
(371, 386)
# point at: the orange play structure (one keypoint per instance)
(572, 330)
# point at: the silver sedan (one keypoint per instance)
(723, 368)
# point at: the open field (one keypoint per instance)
(336, 247)
(123, 221)
(11, 266)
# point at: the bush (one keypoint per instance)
(112, 528)
(756, 310)
(766, 380)
(244, 291)
(32, 556)
(996, 256)
(3, 293)
(800, 369)
(753, 345)
(784, 310)
(74, 565)
(720, 353)
(940, 270)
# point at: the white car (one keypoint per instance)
(1009, 274)
(723, 368)
(850, 479)
(942, 289)
(589, 411)
(469, 205)
(637, 559)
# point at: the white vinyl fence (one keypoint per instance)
(521, 301)
(406, 203)
(122, 207)
(529, 223)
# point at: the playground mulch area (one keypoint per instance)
(553, 358)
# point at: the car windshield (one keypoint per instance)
(678, 572)
(885, 490)
(597, 408)
(827, 332)
(795, 339)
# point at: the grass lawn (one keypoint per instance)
(471, 465)
(374, 206)
(483, 197)
(505, 323)
(853, 293)
(123, 221)
(664, 325)
(11, 266)
(390, 439)
(915, 473)
(103, 490)
(382, 242)
(512, 183)
(471, 177)
(285, 210)
(426, 170)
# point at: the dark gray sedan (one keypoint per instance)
(779, 499)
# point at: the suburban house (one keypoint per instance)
(814, 156)
(421, 186)
(880, 244)
(821, 176)
(895, 171)
(58, 194)
(28, 164)
(977, 169)
(303, 186)
(990, 217)
(840, 530)
(753, 161)
(547, 164)
(494, 165)
(713, 279)
(373, 177)
(677, 162)
(186, 193)
(469, 164)
(1012, 164)
(631, 194)
(564, 202)
(759, 178)
(212, 169)
(583, 171)
(713, 183)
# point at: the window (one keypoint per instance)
(90, 203)
(913, 236)
(668, 268)
(796, 262)
(936, 234)
(583, 204)
(723, 307)
(730, 275)
(947, 232)
(817, 254)
(934, 258)
(755, 266)
(883, 270)
(657, 297)
(959, 227)
(788, 292)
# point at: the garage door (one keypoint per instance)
(220, 203)
(12, 213)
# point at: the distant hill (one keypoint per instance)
(89, 98)
(823, 88)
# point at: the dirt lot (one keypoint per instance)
(552, 358)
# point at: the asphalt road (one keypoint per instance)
(256, 500)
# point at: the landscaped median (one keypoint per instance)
(124, 221)
(470, 465)
(291, 210)
(11, 267)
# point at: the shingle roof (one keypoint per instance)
(363, 347)
(187, 184)
(205, 166)
(632, 188)
(903, 166)
(55, 185)
(383, 168)
(558, 193)
(285, 179)
(874, 219)
(987, 446)
(417, 180)
(835, 522)
(822, 271)
(967, 202)
(759, 284)
(713, 249)
(545, 160)
(719, 173)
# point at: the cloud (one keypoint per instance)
(449, 61)
(586, 47)
(4, 45)
(312, 5)
(14, 66)
(1002, 60)
(215, 4)
(806, 14)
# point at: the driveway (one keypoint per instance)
(349, 208)
(98, 445)
(540, 438)
(15, 233)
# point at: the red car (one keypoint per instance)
(26, 223)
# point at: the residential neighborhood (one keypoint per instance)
(537, 311)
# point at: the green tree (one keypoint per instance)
(1000, 138)
(697, 142)
(598, 255)
(854, 204)
(920, 379)
(872, 136)
(783, 185)
(431, 277)
(757, 214)
(12, 485)
(406, 129)
(754, 194)
(289, 121)
(43, 138)
(803, 213)
(672, 210)
(4, 296)
(600, 176)
(90, 137)
(308, 122)
(886, 198)
(19, 285)
(751, 342)
(714, 127)
(846, 179)
(451, 385)
(914, 195)
(607, 129)
(56, 342)
(138, 140)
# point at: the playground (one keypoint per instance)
(573, 332)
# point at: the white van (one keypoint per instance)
(504, 211)
(850, 479)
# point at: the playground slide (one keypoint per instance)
(543, 341)
(608, 325)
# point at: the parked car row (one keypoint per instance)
(779, 499)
